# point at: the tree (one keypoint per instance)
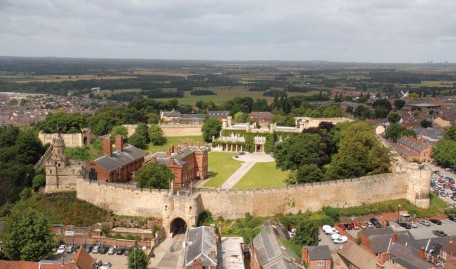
(38, 181)
(300, 150)
(143, 131)
(306, 174)
(394, 117)
(62, 122)
(119, 130)
(137, 259)
(27, 236)
(306, 234)
(156, 135)
(29, 147)
(137, 141)
(241, 117)
(396, 131)
(444, 151)
(426, 123)
(399, 104)
(153, 118)
(360, 153)
(157, 176)
(8, 136)
(211, 127)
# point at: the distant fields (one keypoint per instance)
(22, 78)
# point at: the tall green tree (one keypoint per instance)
(300, 150)
(137, 259)
(143, 131)
(137, 141)
(156, 176)
(306, 234)
(211, 127)
(156, 135)
(396, 131)
(306, 174)
(29, 147)
(360, 153)
(444, 151)
(398, 104)
(119, 130)
(27, 237)
(241, 117)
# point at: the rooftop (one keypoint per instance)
(232, 255)
(200, 244)
(120, 158)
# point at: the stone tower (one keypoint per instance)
(60, 173)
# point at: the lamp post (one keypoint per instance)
(398, 214)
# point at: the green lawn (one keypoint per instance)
(221, 166)
(263, 175)
(176, 141)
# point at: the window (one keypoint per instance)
(321, 263)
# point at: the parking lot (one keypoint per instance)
(423, 232)
(117, 261)
(441, 187)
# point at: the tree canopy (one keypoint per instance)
(137, 259)
(27, 236)
(156, 176)
(211, 127)
(444, 151)
(156, 135)
(119, 130)
(306, 234)
(61, 122)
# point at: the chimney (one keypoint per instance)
(168, 154)
(185, 144)
(171, 161)
(197, 264)
(305, 255)
(394, 238)
(119, 143)
(107, 147)
(172, 149)
(422, 254)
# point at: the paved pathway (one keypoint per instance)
(164, 257)
(249, 160)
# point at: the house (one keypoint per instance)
(168, 116)
(317, 257)
(218, 114)
(188, 163)
(232, 252)
(357, 257)
(379, 243)
(406, 257)
(414, 149)
(431, 135)
(448, 251)
(79, 260)
(261, 117)
(201, 248)
(118, 166)
(267, 251)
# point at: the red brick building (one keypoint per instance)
(188, 163)
(261, 117)
(414, 149)
(118, 166)
(317, 257)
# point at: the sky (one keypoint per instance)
(392, 31)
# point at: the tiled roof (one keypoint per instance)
(404, 255)
(319, 253)
(261, 115)
(18, 265)
(413, 143)
(171, 113)
(120, 158)
(82, 259)
(450, 248)
(358, 256)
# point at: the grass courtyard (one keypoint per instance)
(221, 166)
(176, 141)
(263, 175)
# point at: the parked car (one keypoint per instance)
(443, 194)
(425, 223)
(88, 248)
(70, 249)
(120, 251)
(452, 218)
(439, 233)
(413, 224)
(370, 225)
(341, 239)
(111, 251)
(441, 180)
(376, 223)
(96, 249)
(348, 227)
(61, 249)
(335, 236)
(330, 230)
(355, 226)
(105, 265)
(103, 250)
(342, 226)
(241, 153)
(405, 225)
(364, 225)
(127, 251)
(436, 221)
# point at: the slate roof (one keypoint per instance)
(450, 248)
(179, 157)
(218, 113)
(172, 113)
(413, 143)
(358, 256)
(270, 253)
(198, 245)
(120, 158)
(405, 256)
(319, 253)
(430, 134)
(380, 243)
(261, 115)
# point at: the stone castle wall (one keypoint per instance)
(71, 140)
(62, 179)
(172, 129)
(230, 204)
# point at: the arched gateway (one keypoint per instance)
(178, 226)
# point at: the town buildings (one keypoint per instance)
(413, 149)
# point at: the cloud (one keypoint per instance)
(336, 30)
